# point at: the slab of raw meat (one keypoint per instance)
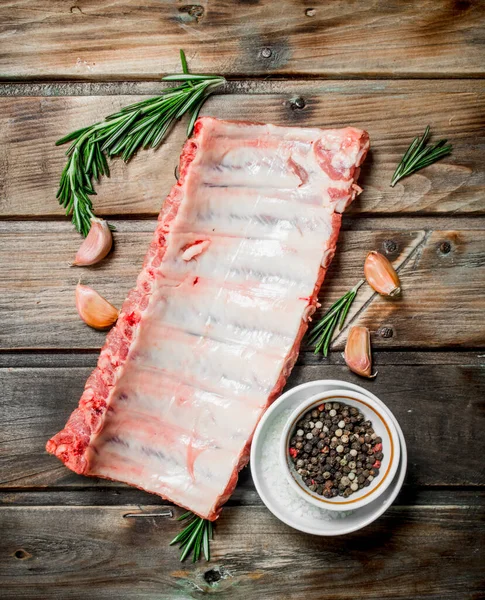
(206, 340)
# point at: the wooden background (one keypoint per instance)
(390, 67)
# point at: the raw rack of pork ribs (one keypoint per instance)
(207, 338)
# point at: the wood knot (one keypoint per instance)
(390, 246)
(297, 103)
(310, 12)
(193, 10)
(22, 554)
(212, 576)
(462, 5)
(266, 53)
(386, 332)
(445, 247)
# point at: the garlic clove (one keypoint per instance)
(380, 275)
(358, 352)
(97, 244)
(93, 309)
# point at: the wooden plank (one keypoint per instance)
(432, 402)
(97, 39)
(445, 262)
(442, 276)
(414, 552)
(31, 164)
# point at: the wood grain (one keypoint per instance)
(426, 552)
(128, 39)
(443, 278)
(432, 402)
(393, 114)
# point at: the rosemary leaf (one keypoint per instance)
(144, 124)
(72, 136)
(183, 60)
(420, 155)
(189, 545)
(352, 295)
(207, 532)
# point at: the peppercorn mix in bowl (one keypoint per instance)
(340, 450)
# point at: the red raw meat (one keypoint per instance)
(206, 340)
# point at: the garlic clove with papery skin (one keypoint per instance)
(93, 309)
(380, 275)
(97, 244)
(358, 352)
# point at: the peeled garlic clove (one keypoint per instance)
(380, 275)
(93, 309)
(358, 352)
(97, 244)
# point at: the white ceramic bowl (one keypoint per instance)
(383, 425)
(282, 502)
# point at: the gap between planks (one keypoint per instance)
(248, 86)
(32, 358)
(350, 222)
(410, 495)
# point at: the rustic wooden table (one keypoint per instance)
(388, 67)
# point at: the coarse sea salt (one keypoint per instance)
(277, 483)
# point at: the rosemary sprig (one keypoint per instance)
(194, 537)
(322, 333)
(143, 124)
(419, 155)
